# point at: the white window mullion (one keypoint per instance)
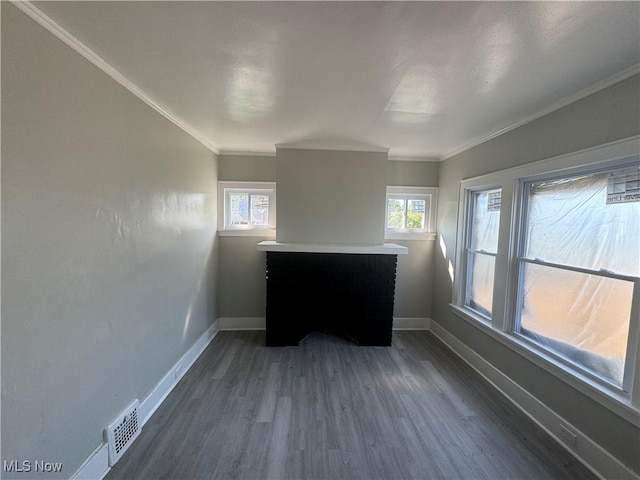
(404, 212)
(500, 319)
(482, 252)
(249, 208)
(570, 268)
(512, 302)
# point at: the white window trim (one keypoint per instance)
(226, 230)
(429, 232)
(500, 326)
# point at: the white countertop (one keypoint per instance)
(384, 249)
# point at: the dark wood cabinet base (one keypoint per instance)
(349, 294)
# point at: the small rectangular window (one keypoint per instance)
(246, 207)
(410, 211)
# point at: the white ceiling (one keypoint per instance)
(424, 79)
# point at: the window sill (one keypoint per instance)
(617, 402)
(431, 237)
(254, 232)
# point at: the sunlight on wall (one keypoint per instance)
(196, 294)
(443, 250)
(443, 247)
(187, 320)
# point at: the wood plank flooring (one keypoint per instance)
(329, 409)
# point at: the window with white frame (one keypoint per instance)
(410, 211)
(548, 262)
(482, 248)
(246, 208)
(578, 260)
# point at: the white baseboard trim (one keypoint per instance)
(600, 462)
(242, 323)
(150, 404)
(411, 323)
(96, 466)
(258, 323)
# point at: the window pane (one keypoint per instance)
(259, 209)
(583, 317)
(415, 213)
(395, 213)
(239, 208)
(480, 288)
(486, 220)
(570, 222)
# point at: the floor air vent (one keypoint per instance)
(122, 432)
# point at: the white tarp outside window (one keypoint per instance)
(582, 315)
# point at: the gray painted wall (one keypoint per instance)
(242, 288)
(330, 196)
(603, 117)
(108, 248)
(412, 173)
(414, 279)
(246, 168)
(241, 292)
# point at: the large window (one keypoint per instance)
(579, 258)
(246, 208)
(548, 263)
(481, 248)
(410, 212)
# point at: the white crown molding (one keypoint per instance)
(242, 153)
(596, 87)
(395, 158)
(56, 30)
(333, 145)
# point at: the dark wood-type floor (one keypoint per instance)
(329, 409)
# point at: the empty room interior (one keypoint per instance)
(320, 240)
